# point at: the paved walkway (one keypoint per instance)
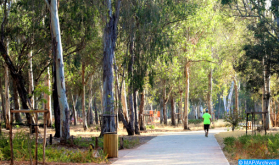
(176, 148)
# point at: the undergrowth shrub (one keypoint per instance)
(128, 143)
(24, 145)
(195, 121)
(253, 146)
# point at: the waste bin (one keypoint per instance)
(111, 144)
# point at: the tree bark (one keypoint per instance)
(180, 108)
(236, 97)
(17, 115)
(130, 87)
(137, 131)
(131, 112)
(172, 111)
(110, 36)
(74, 109)
(48, 99)
(85, 127)
(209, 94)
(30, 78)
(56, 108)
(2, 102)
(96, 112)
(165, 104)
(124, 102)
(230, 98)
(120, 111)
(61, 89)
(266, 95)
(7, 99)
(90, 111)
(187, 65)
(141, 110)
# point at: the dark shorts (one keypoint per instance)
(206, 126)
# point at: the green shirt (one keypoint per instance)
(206, 118)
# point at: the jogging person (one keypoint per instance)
(206, 121)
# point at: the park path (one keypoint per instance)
(176, 148)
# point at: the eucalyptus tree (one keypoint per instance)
(264, 16)
(22, 35)
(195, 39)
(110, 37)
(147, 32)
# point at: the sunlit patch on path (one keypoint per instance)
(177, 148)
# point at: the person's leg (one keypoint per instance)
(206, 130)
(204, 126)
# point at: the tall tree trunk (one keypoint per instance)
(116, 100)
(110, 36)
(7, 99)
(56, 108)
(96, 113)
(120, 111)
(48, 99)
(236, 97)
(266, 103)
(141, 110)
(61, 89)
(2, 102)
(137, 130)
(172, 111)
(187, 65)
(196, 111)
(30, 78)
(165, 104)
(219, 109)
(90, 111)
(131, 111)
(130, 88)
(74, 101)
(17, 115)
(85, 127)
(209, 94)
(180, 107)
(124, 102)
(161, 111)
(230, 98)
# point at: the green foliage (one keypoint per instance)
(229, 141)
(150, 127)
(227, 2)
(233, 120)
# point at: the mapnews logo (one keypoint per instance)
(258, 162)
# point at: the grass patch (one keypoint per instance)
(195, 121)
(24, 148)
(129, 143)
(253, 146)
(150, 127)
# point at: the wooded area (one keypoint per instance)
(82, 59)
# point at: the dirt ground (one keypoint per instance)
(220, 138)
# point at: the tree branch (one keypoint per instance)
(202, 61)
(47, 3)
